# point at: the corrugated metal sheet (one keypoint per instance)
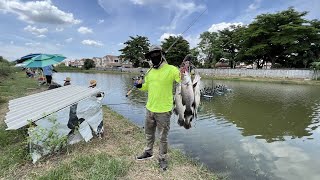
(39, 105)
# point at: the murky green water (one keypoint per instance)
(259, 131)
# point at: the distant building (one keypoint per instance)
(77, 63)
(112, 61)
(108, 61)
(126, 64)
(97, 61)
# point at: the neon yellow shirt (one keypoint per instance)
(159, 84)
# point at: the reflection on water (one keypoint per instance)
(259, 131)
(268, 111)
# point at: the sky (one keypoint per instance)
(95, 28)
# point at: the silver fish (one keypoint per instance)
(196, 89)
(187, 99)
(179, 107)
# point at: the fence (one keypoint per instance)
(264, 73)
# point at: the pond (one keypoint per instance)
(258, 131)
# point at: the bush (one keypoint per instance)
(89, 63)
(5, 67)
(276, 66)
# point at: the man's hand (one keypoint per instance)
(138, 83)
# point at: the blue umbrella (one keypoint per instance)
(43, 60)
(26, 57)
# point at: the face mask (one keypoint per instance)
(156, 59)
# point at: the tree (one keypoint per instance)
(178, 51)
(195, 52)
(89, 63)
(209, 46)
(229, 42)
(135, 49)
(316, 67)
(315, 45)
(284, 38)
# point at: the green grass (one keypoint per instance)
(13, 143)
(98, 166)
(16, 85)
(62, 172)
(5, 68)
(13, 149)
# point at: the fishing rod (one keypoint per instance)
(190, 25)
(140, 78)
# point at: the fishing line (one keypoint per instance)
(191, 24)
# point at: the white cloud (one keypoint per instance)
(120, 44)
(69, 40)
(91, 43)
(59, 29)
(32, 44)
(35, 30)
(182, 9)
(254, 6)
(41, 36)
(167, 35)
(222, 26)
(38, 12)
(11, 42)
(140, 2)
(15, 51)
(179, 9)
(193, 40)
(100, 21)
(84, 30)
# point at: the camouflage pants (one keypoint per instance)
(162, 122)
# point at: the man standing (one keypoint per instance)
(47, 71)
(159, 84)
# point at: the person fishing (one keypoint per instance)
(158, 82)
(47, 71)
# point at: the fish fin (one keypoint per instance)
(175, 111)
(183, 102)
(193, 105)
(188, 112)
(195, 84)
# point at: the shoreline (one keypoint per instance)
(212, 77)
(110, 157)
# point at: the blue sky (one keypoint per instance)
(94, 28)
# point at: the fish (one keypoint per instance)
(197, 94)
(188, 100)
(179, 107)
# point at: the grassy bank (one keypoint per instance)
(62, 68)
(109, 158)
(230, 78)
(266, 80)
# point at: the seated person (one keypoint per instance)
(93, 84)
(29, 73)
(67, 81)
